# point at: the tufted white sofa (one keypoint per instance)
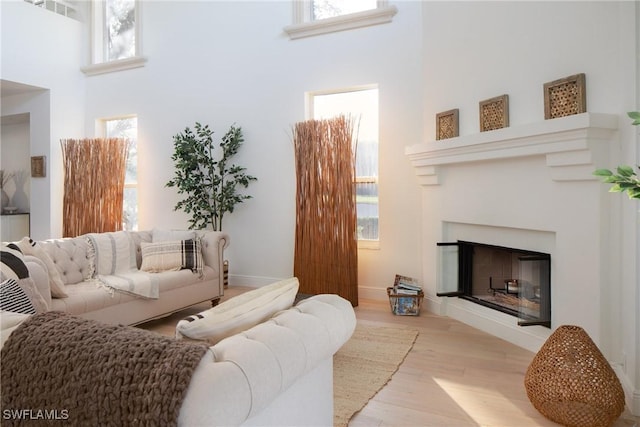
(277, 373)
(178, 289)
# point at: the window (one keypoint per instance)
(127, 127)
(116, 43)
(362, 105)
(314, 17)
(322, 9)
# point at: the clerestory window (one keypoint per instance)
(315, 17)
(116, 36)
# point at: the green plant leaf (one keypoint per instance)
(625, 171)
(635, 116)
(602, 172)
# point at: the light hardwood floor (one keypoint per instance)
(454, 375)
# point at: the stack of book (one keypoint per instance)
(404, 285)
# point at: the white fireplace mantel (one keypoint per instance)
(573, 147)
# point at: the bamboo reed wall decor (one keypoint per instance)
(94, 174)
(326, 251)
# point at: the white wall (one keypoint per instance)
(478, 50)
(43, 49)
(233, 63)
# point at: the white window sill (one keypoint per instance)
(381, 15)
(111, 66)
(369, 244)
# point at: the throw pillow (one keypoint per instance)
(239, 313)
(172, 255)
(29, 247)
(14, 299)
(14, 268)
(171, 235)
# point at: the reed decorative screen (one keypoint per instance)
(94, 174)
(326, 247)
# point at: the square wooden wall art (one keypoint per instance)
(447, 124)
(494, 113)
(565, 97)
(38, 166)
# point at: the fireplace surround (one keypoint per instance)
(529, 187)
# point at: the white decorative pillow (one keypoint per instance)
(172, 255)
(30, 247)
(171, 235)
(239, 313)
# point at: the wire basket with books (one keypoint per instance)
(405, 297)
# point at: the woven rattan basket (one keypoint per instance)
(570, 382)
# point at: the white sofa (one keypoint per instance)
(177, 289)
(277, 373)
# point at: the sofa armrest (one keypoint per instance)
(40, 275)
(213, 245)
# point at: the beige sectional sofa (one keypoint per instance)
(70, 257)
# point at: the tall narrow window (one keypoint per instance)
(120, 29)
(116, 34)
(127, 128)
(362, 105)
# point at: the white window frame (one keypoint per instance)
(101, 131)
(304, 26)
(309, 113)
(99, 65)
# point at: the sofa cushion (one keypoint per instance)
(13, 298)
(239, 313)
(172, 256)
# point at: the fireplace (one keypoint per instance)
(527, 195)
(514, 281)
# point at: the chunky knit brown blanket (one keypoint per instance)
(73, 371)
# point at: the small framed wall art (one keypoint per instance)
(565, 97)
(494, 113)
(38, 166)
(447, 124)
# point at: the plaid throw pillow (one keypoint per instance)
(172, 255)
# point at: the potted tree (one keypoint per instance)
(206, 177)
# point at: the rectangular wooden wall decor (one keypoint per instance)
(494, 113)
(447, 124)
(565, 97)
(38, 166)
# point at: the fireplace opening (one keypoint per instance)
(513, 281)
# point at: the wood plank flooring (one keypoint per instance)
(454, 375)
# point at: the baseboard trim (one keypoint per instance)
(632, 396)
(252, 281)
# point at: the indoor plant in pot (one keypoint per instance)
(206, 177)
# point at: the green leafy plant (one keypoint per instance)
(205, 175)
(625, 180)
